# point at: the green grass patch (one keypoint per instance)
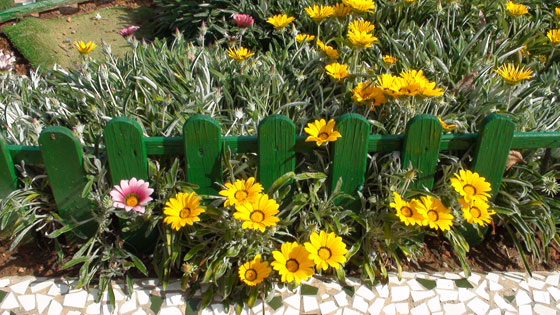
(45, 42)
(6, 4)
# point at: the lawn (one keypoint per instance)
(6, 4)
(45, 42)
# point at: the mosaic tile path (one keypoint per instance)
(415, 293)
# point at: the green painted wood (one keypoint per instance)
(277, 140)
(203, 153)
(8, 179)
(41, 6)
(349, 154)
(421, 148)
(492, 149)
(62, 156)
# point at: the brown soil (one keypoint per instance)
(32, 259)
(22, 65)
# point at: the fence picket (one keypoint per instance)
(277, 140)
(8, 179)
(349, 155)
(421, 148)
(203, 148)
(62, 155)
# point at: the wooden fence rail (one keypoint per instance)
(276, 144)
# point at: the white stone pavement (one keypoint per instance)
(416, 294)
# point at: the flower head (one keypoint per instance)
(241, 191)
(240, 54)
(361, 39)
(280, 20)
(337, 70)
(446, 126)
(516, 9)
(84, 49)
(127, 31)
(367, 93)
(360, 25)
(131, 194)
(293, 262)
(513, 74)
(341, 10)
(476, 211)
(435, 214)
(181, 210)
(319, 12)
(407, 211)
(326, 250)
(330, 51)
(471, 186)
(321, 132)
(243, 20)
(388, 59)
(254, 272)
(257, 215)
(557, 11)
(360, 5)
(554, 36)
(6, 61)
(390, 84)
(304, 37)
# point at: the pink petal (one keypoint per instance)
(124, 184)
(118, 205)
(139, 209)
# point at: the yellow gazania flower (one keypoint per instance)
(337, 70)
(84, 49)
(471, 186)
(366, 92)
(390, 84)
(407, 211)
(361, 39)
(513, 74)
(240, 54)
(360, 25)
(542, 58)
(182, 210)
(254, 272)
(446, 126)
(241, 191)
(525, 51)
(554, 36)
(304, 37)
(415, 83)
(330, 51)
(257, 215)
(409, 1)
(516, 9)
(293, 262)
(319, 12)
(326, 250)
(341, 10)
(280, 20)
(477, 211)
(360, 5)
(557, 11)
(321, 132)
(435, 214)
(388, 59)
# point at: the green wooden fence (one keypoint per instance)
(276, 144)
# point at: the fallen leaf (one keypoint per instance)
(514, 157)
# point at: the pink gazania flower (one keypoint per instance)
(243, 20)
(132, 195)
(127, 31)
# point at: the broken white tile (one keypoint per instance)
(256, 308)
(474, 278)
(445, 284)
(457, 309)
(55, 308)
(421, 309)
(437, 313)
(481, 291)
(395, 280)
(42, 302)
(478, 306)
(509, 313)
(170, 311)
(9, 302)
(94, 309)
(513, 277)
(555, 292)
(543, 310)
(279, 311)
(525, 309)
(400, 293)
(341, 299)
(325, 296)
(4, 283)
(174, 299)
(366, 293)
(333, 285)
(58, 289)
(218, 309)
(538, 276)
(493, 277)
(295, 301)
(452, 276)
(360, 304)
(74, 313)
(553, 280)
(495, 311)
(382, 290)
(119, 296)
(173, 286)
(465, 294)
(495, 286)
(143, 297)
(534, 283)
(503, 304)
(408, 275)
(328, 307)
(446, 295)
(402, 308)
(376, 307)
(524, 285)
(77, 299)
(434, 304)
(541, 297)
(130, 305)
(20, 287)
(291, 311)
(107, 309)
(38, 286)
(310, 303)
(522, 298)
(27, 301)
(349, 311)
(414, 285)
(420, 295)
(389, 309)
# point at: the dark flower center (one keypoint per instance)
(131, 200)
(406, 211)
(324, 252)
(257, 216)
(469, 190)
(251, 274)
(475, 212)
(433, 215)
(292, 265)
(185, 213)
